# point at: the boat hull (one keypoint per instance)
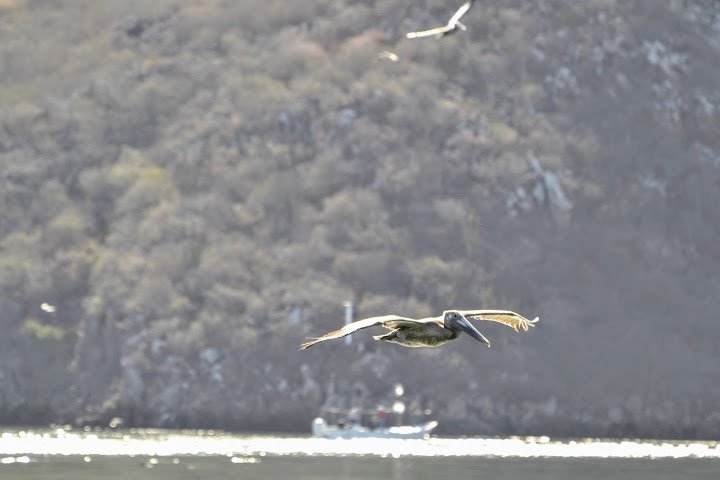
(321, 429)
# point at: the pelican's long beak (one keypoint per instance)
(472, 331)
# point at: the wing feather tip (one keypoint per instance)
(309, 344)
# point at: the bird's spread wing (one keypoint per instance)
(460, 12)
(355, 326)
(452, 24)
(429, 33)
(506, 317)
(400, 322)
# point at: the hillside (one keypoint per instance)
(197, 186)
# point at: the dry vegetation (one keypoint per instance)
(196, 186)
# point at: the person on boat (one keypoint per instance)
(354, 416)
(415, 413)
(382, 416)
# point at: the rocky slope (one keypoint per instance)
(191, 188)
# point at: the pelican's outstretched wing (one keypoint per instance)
(355, 326)
(506, 317)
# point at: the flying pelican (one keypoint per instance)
(451, 27)
(431, 331)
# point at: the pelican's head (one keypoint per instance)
(455, 320)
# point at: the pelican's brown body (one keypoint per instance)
(421, 334)
(432, 331)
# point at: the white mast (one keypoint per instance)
(348, 319)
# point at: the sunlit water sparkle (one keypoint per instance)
(20, 446)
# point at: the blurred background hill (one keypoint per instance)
(193, 187)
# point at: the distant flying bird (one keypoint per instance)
(386, 55)
(432, 331)
(46, 307)
(451, 27)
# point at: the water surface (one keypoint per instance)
(66, 453)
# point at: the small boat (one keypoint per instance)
(321, 429)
